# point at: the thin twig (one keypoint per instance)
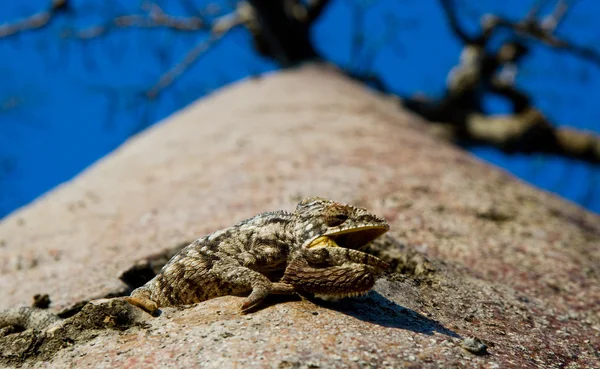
(543, 31)
(176, 71)
(448, 8)
(221, 27)
(35, 21)
(156, 18)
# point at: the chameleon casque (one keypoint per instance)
(314, 249)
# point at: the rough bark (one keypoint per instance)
(476, 252)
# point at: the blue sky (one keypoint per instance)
(66, 102)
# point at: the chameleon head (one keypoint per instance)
(326, 223)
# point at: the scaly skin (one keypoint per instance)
(248, 257)
(333, 282)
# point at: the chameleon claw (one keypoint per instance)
(248, 306)
(255, 298)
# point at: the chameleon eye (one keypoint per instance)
(335, 216)
(333, 220)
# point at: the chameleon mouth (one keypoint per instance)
(351, 238)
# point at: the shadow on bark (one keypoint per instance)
(375, 308)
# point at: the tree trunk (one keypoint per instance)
(476, 252)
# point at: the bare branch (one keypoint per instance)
(281, 31)
(534, 11)
(175, 72)
(529, 27)
(553, 20)
(448, 8)
(35, 21)
(156, 18)
(543, 31)
(221, 27)
(530, 132)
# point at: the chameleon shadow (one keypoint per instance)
(375, 308)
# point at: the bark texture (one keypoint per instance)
(477, 253)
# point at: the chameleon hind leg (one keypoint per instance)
(182, 286)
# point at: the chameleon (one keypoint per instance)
(314, 249)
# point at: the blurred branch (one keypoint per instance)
(547, 25)
(176, 71)
(543, 31)
(530, 132)
(529, 27)
(459, 114)
(281, 29)
(448, 8)
(155, 18)
(551, 22)
(362, 55)
(35, 21)
(221, 26)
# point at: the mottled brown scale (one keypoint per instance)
(250, 257)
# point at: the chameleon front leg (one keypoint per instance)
(241, 279)
(334, 271)
(140, 297)
(350, 279)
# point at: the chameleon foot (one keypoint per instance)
(259, 294)
(143, 303)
